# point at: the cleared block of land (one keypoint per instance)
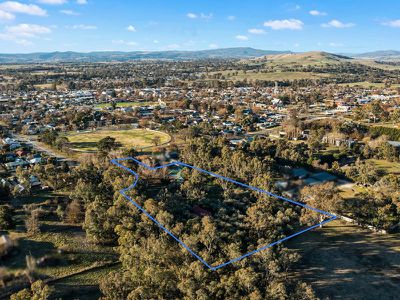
(131, 138)
(343, 261)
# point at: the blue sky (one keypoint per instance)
(340, 26)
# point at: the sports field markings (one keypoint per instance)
(177, 163)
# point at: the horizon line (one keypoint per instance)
(191, 51)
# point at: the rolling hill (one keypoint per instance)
(305, 58)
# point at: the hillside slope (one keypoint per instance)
(305, 58)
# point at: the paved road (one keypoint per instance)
(31, 140)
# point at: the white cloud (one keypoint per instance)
(191, 15)
(393, 23)
(256, 31)
(83, 27)
(17, 7)
(317, 13)
(81, 2)
(241, 37)
(291, 24)
(337, 24)
(53, 2)
(213, 46)
(156, 41)
(6, 16)
(131, 28)
(69, 12)
(27, 30)
(20, 41)
(333, 44)
(123, 42)
(231, 18)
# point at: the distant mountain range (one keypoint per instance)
(239, 53)
(109, 56)
(387, 55)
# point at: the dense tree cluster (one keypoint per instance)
(218, 220)
(379, 205)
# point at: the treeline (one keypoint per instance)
(392, 133)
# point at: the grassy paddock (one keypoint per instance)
(77, 253)
(132, 138)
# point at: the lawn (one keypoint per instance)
(127, 104)
(132, 138)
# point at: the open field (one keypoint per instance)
(385, 165)
(350, 191)
(72, 257)
(127, 104)
(366, 84)
(372, 63)
(47, 86)
(342, 261)
(132, 138)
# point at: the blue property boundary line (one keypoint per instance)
(177, 163)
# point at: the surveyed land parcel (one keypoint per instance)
(223, 212)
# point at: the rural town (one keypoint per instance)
(309, 129)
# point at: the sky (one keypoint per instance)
(338, 26)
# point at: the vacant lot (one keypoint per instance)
(132, 138)
(342, 261)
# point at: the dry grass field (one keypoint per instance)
(132, 138)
